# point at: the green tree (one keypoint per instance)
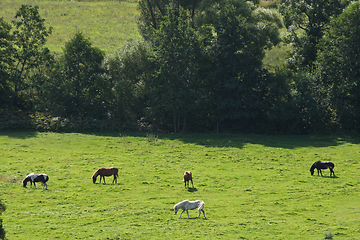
(79, 89)
(306, 21)
(127, 70)
(239, 86)
(152, 12)
(173, 89)
(30, 35)
(6, 63)
(339, 66)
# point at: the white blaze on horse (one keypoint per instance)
(106, 172)
(36, 178)
(190, 205)
(187, 177)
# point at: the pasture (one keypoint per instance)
(108, 23)
(254, 186)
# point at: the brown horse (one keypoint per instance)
(188, 177)
(106, 172)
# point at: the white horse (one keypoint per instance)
(190, 205)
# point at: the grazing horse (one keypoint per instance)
(36, 178)
(106, 172)
(322, 165)
(190, 205)
(188, 177)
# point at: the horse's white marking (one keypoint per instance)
(190, 205)
(32, 176)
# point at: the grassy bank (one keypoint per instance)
(254, 187)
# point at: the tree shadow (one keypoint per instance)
(239, 140)
(233, 140)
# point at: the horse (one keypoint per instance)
(188, 177)
(36, 178)
(322, 165)
(190, 205)
(105, 172)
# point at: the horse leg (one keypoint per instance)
(332, 172)
(192, 183)
(185, 183)
(104, 179)
(35, 185)
(187, 211)
(203, 213)
(181, 213)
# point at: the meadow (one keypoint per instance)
(254, 186)
(108, 24)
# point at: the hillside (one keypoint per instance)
(108, 24)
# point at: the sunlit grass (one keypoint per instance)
(108, 24)
(254, 186)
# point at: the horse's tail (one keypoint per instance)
(201, 205)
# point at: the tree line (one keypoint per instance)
(198, 68)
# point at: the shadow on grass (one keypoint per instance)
(232, 140)
(192, 189)
(239, 140)
(19, 134)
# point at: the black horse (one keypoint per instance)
(36, 178)
(322, 165)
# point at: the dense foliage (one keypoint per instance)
(199, 68)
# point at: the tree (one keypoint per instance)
(238, 85)
(173, 86)
(29, 39)
(339, 66)
(306, 21)
(78, 89)
(152, 12)
(127, 70)
(6, 63)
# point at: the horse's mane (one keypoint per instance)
(96, 173)
(181, 203)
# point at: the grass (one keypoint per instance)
(254, 187)
(108, 24)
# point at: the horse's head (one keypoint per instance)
(312, 171)
(176, 209)
(94, 178)
(25, 181)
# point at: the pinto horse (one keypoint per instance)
(322, 165)
(190, 205)
(36, 178)
(188, 177)
(105, 172)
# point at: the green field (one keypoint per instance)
(254, 186)
(108, 24)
